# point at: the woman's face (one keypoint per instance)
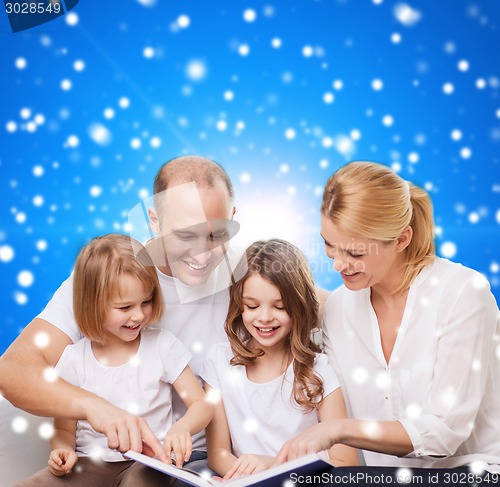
(362, 263)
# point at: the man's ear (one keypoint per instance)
(153, 220)
(404, 239)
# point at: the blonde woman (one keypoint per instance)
(116, 296)
(412, 337)
(269, 374)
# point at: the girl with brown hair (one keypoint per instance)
(271, 379)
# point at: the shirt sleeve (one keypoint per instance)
(209, 370)
(174, 356)
(67, 366)
(326, 372)
(465, 355)
(59, 311)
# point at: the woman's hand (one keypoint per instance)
(178, 440)
(317, 438)
(62, 461)
(248, 465)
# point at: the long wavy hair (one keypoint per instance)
(286, 267)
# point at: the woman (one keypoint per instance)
(413, 338)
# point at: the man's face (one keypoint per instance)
(195, 225)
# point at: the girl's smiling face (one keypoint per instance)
(264, 315)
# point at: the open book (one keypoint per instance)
(307, 465)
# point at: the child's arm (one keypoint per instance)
(199, 413)
(333, 407)
(63, 456)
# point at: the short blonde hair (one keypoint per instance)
(99, 267)
(369, 200)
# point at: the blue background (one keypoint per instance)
(94, 102)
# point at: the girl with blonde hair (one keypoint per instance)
(271, 379)
(412, 337)
(116, 297)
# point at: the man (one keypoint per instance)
(192, 215)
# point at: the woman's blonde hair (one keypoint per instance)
(99, 267)
(369, 200)
(286, 267)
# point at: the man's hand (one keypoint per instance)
(248, 465)
(61, 461)
(178, 440)
(123, 430)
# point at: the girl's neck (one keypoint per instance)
(269, 366)
(116, 352)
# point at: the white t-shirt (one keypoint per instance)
(198, 324)
(261, 417)
(443, 378)
(142, 386)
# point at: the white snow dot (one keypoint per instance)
(413, 157)
(95, 191)
(66, 84)
(276, 42)
(31, 127)
(71, 19)
(6, 253)
(25, 278)
(228, 95)
(244, 50)
(73, 141)
(38, 171)
(284, 168)
(196, 70)
(473, 217)
(355, 134)
(323, 164)
(197, 347)
(406, 15)
(183, 21)
(20, 298)
(11, 126)
(448, 250)
(494, 267)
(109, 113)
(497, 216)
(249, 15)
(328, 97)
(21, 217)
(480, 83)
(78, 65)
(240, 125)
(463, 65)
(25, 113)
(327, 142)
(50, 374)
(396, 38)
(465, 153)
(359, 375)
(21, 63)
(307, 51)
(155, 142)
(148, 52)
(39, 119)
(338, 84)
(99, 134)
(448, 88)
(290, 134)
(123, 102)
(41, 245)
(456, 134)
(221, 125)
(404, 475)
(377, 84)
(213, 397)
(41, 339)
(388, 120)
(251, 425)
(477, 467)
(46, 430)
(38, 200)
(245, 177)
(135, 143)
(19, 424)
(413, 410)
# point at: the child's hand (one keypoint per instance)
(178, 440)
(248, 465)
(62, 461)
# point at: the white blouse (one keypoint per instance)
(442, 381)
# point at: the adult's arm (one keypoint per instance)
(28, 381)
